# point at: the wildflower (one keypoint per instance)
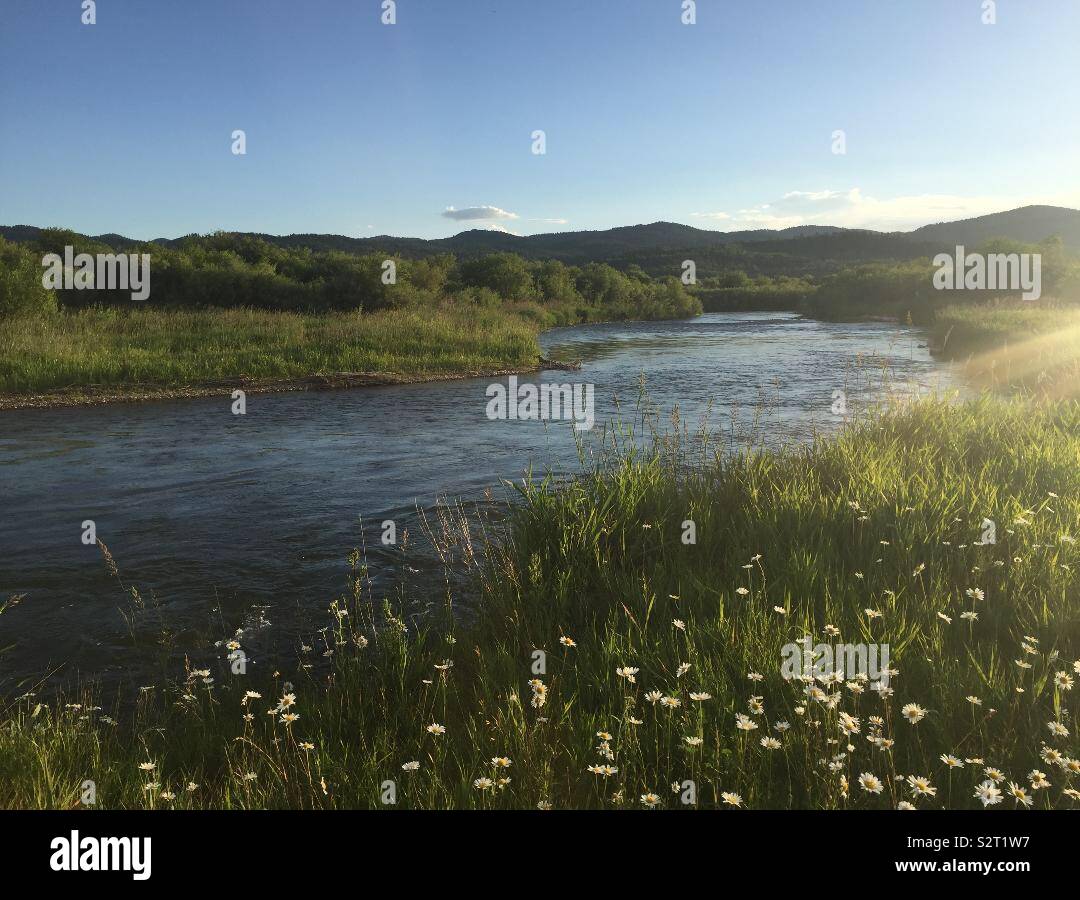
(650, 800)
(566, 642)
(1020, 795)
(973, 700)
(307, 745)
(781, 726)
(995, 775)
(288, 718)
(693, 741)
(913, 713)
(1051, 756)
(920, 786)
(988, 793)
(744, 723)
(755, 706)
(1038, 780)
(250, 776)
(870, 783)
(500, 762)
(682, 670)
(731, 799)
(1063, 680)
(903, 804)
(670, 702)
(741, 591)
(603, 735)
(770, 743)
(628, 672)
(679, 623)
(483, 784)
(539, 693)
(849, 724)
(287, 700)
(148, 766)
(435, 729)
(700, 695)
(410, 766)
(606, 771)
(951, 761)
(653, 696)
(544, 805)
(1057, 729)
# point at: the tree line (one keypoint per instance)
(230, 270)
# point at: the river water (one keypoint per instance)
(228, 521)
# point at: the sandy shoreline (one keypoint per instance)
(94, 395)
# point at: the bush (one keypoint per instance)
(21, 291)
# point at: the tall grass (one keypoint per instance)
(104, 346)
(604, 638)
(1033, 348)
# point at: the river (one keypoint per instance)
(230, 521)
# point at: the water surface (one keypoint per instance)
(231, 521)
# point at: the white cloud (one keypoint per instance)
(477, 213)
(852, 209)
(499, 228)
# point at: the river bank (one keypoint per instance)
(660, 680)
(98, 355)
(220, 515)
(92, 395)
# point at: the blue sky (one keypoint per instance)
(361, 128)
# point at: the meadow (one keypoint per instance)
(181, 347)
(1013, 347)
(612, 663)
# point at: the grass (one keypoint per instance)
(1033, 348)
(101, 346)
(871, 537)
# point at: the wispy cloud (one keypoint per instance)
(477, 213)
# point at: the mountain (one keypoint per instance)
(661, 246)
(1029, 224)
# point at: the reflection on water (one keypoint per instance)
(226, 521)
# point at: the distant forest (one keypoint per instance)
(232, 270)
(632, 272)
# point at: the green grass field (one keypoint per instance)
(660, 673)
(101, 346)
(1017, 347)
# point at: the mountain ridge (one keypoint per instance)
(660, 240)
